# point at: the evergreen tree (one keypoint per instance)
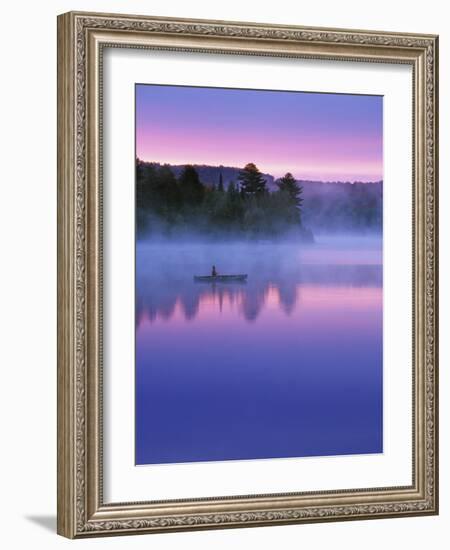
(252, 181)
(192, 189)
(289, 186)
(145, 174)
(220, 187)
(234, 207)
(168, 190)
(140, 171)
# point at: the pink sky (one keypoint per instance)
(312, 135)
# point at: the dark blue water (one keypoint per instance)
(287, 365)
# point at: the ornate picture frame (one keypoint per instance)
(82, 38)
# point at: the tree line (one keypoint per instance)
(168, 204)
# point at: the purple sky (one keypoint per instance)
(313, 135)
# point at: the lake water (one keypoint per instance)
(288, 364)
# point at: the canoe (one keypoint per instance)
(220, 278)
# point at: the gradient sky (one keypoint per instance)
(313, 135)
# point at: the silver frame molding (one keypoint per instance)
(81, 39)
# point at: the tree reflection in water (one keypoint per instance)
(162, 299)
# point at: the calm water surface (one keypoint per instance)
(288, 364)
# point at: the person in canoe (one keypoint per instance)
(213, 271)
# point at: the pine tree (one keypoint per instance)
(252, 181)
(168, 190)
(192, 189)
(220, 187)
(145, 177)
(288, 185)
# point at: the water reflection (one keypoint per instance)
(288, 364)
(176, 297)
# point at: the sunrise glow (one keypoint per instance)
(313, 135)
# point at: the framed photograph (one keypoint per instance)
(247, 274)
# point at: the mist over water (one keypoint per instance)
(165, 272)
(286, 364)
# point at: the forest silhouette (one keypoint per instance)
(167, 204)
